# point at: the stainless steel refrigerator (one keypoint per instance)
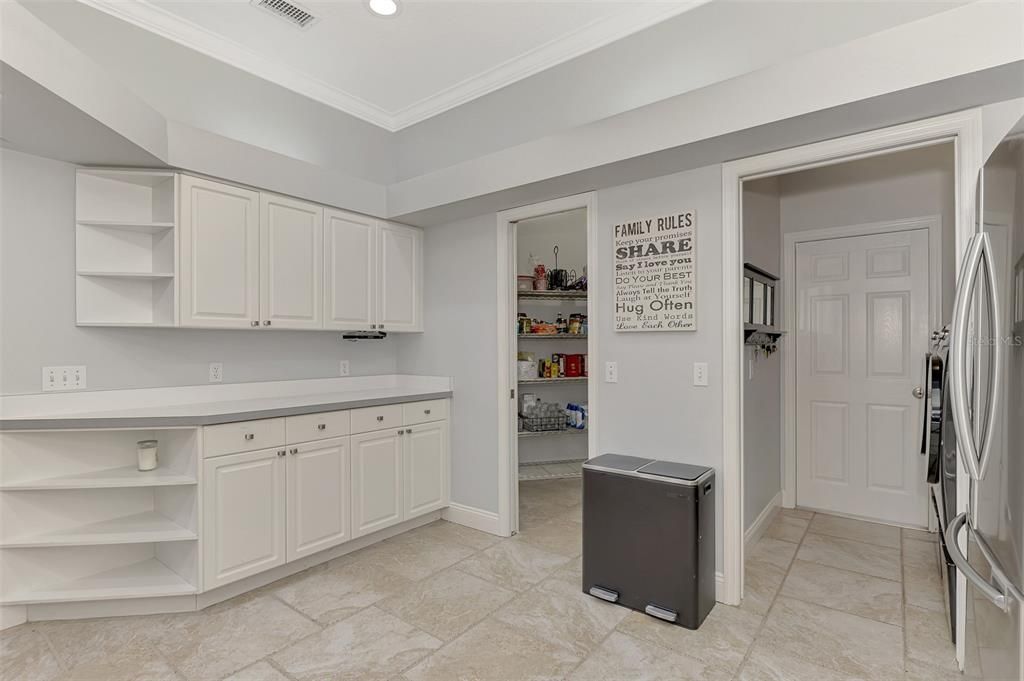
(986, 398)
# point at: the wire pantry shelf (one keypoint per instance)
(552, 295)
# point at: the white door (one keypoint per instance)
(243, 515)
(318, 496)
(400, 301)
(220, 254)
(350, 271)
(426, 468)
(376, 481)
(291, 263)
(862, 330)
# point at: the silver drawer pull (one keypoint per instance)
(604, 594)
(380, 418)
(321, 426)
(426, 411)
(249, 436)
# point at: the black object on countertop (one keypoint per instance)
(649, 536)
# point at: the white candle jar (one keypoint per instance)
(147, 454)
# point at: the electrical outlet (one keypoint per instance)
(216, 372)
(611, 372)
(64, 378)
(343, 369)
(700, 373)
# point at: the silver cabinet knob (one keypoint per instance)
(373, 326)
(295, 450)
(409, 430)
(918, 392)
(380, 326)
(426, 411)
(266, 322)
(321, 426)
(249, 436)
(254, 323)
(380, 418)
(280, 452)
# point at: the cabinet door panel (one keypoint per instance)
(400, 300)
(220, 254)
(291, 263)
(318, 496)
(244, 515)
(376, 481)
(426, 468)
(350, 271)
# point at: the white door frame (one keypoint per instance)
(505, 271)
(933, 223)
(962, 128)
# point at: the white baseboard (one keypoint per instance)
(12, 616)
(476, 518)
(763, 520)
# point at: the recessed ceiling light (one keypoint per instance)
(384, 8)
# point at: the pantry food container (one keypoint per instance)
(524, 282)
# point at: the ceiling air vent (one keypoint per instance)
(289, 11)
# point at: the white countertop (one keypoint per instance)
(212, 404)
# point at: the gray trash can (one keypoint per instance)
(649, 536)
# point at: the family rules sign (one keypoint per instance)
(655, 273)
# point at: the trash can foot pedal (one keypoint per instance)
(604, 594)
(661, 613)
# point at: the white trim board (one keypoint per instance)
(763, 521)
(932, 223)
(962, 128)
(475, 518)
(505, 273)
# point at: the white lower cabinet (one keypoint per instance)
(271, 506)
(426, 468)
(244, 515)
(318, 496)
(376, 481)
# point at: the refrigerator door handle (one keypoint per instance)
(1000, 589)
(975, 457)
(995, 368)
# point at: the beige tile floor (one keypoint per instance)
(828, 599)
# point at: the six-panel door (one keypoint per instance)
(376, 481)
(220, 254)
(400, 278)
(426, 468)
(291, 263)
(350, 272)
(318, 496)
(243, 515)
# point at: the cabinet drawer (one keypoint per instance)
(376, 418)
(317, 426)
(423, 412)
(242, 436)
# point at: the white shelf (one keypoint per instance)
(140, 528)
(127, 476)
(551, 433)
(129, 225)
(574, 379)
(552, 295)
(128, 275)
(139, 580)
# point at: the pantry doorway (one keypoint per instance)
(547, 348)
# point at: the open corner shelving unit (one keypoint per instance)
(78, 522)
(557, 453)
(126, 247)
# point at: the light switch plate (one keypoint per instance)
(700, 373)
(64, 378)
(216, 372)
(343, 368)
(611, 372)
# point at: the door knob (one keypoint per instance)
(918, 392)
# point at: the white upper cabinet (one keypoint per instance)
(400, 302)
(350, 271)
(220, 254)
(291, 263)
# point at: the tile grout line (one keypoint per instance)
(771, 605)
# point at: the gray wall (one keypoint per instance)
(762, 388)
(37, 310)
(459, 309)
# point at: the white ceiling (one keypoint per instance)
(393, 72)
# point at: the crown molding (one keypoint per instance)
(589, 37)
